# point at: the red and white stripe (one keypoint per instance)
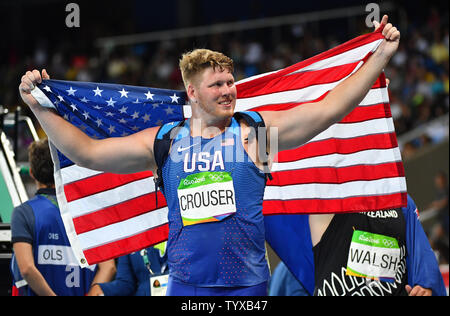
(108, 215)
(354, 165)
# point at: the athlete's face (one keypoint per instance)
(215, 93)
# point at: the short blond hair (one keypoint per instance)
(197, 60)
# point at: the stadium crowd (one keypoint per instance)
(418, 72)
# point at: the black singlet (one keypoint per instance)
(337, 252)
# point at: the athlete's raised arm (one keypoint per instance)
(117, 154)
(298, 125)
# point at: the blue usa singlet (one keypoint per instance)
(214, 193)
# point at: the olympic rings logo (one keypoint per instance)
(389, 243)
(216, 177)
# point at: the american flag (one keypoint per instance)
(355, 165)
(108, 215)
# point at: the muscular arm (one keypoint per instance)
(298, 125)
(117, 154)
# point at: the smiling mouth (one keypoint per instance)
(226, 103)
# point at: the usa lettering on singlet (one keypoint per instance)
(214, 193)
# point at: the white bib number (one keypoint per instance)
(373, 256)
(206, 197)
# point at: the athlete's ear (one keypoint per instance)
(191, 92)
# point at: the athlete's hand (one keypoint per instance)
(29, 81)
(417, 291)
(391, 36)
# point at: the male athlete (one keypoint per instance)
(216, 229)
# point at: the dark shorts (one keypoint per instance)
(175, 288)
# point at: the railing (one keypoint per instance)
(13, 191)
(109, 42)
(440, 124)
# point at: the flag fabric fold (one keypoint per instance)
(355, 165)
(108, 215)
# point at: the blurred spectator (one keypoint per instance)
(408, 150)
(42, 250)
(439, 233)
(141, 273)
